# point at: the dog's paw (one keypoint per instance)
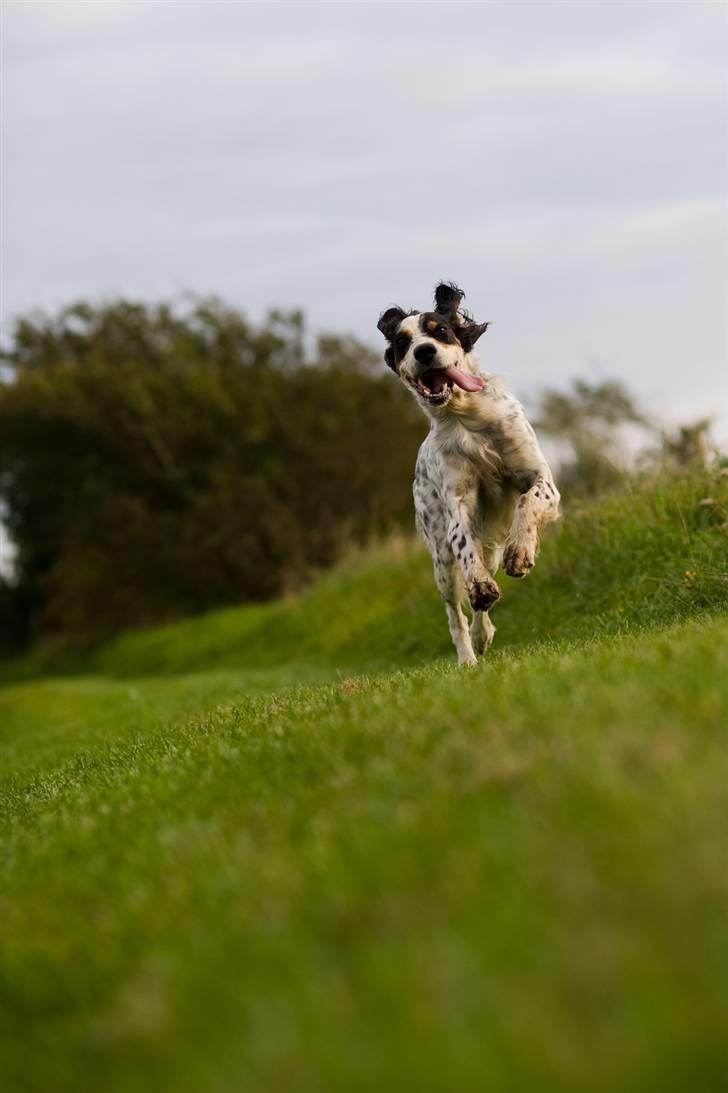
(519, 557)
(483, 594)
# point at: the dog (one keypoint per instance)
(483, 490)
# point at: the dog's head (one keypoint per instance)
(431, 350)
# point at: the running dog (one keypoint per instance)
(483, 489)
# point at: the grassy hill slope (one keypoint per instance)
(287, 848)
(629, 562)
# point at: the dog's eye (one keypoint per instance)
(441, 331)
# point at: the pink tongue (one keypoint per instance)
(464, 379)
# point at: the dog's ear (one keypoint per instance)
(389, 320)
(447, 298)
(468, 332)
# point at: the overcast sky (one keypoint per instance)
(565, 163)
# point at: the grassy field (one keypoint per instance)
(293, 847)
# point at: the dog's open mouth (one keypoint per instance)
(436, 385)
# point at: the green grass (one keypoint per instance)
(294, 848)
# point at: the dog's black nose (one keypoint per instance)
(425, 353)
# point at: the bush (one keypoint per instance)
(157, 461)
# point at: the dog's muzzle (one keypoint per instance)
(435, 384)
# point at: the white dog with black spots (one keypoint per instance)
(483, 489)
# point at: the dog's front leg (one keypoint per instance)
(538, 506)
(464, 539)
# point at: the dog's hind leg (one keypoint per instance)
(449, 586)
(482, 632)
(432, 521)
(463, 535)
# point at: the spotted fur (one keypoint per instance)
(483, 489)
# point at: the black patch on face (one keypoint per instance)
(437, 327)
(400, 345)
(451, 329)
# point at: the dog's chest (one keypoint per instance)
(474, 450)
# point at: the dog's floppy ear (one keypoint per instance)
(389, 320)
(447, 298)
(468, 332)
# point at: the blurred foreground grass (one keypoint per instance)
(283, 848)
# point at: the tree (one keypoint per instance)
(689, 445)
(588, 419)
(160, 460)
